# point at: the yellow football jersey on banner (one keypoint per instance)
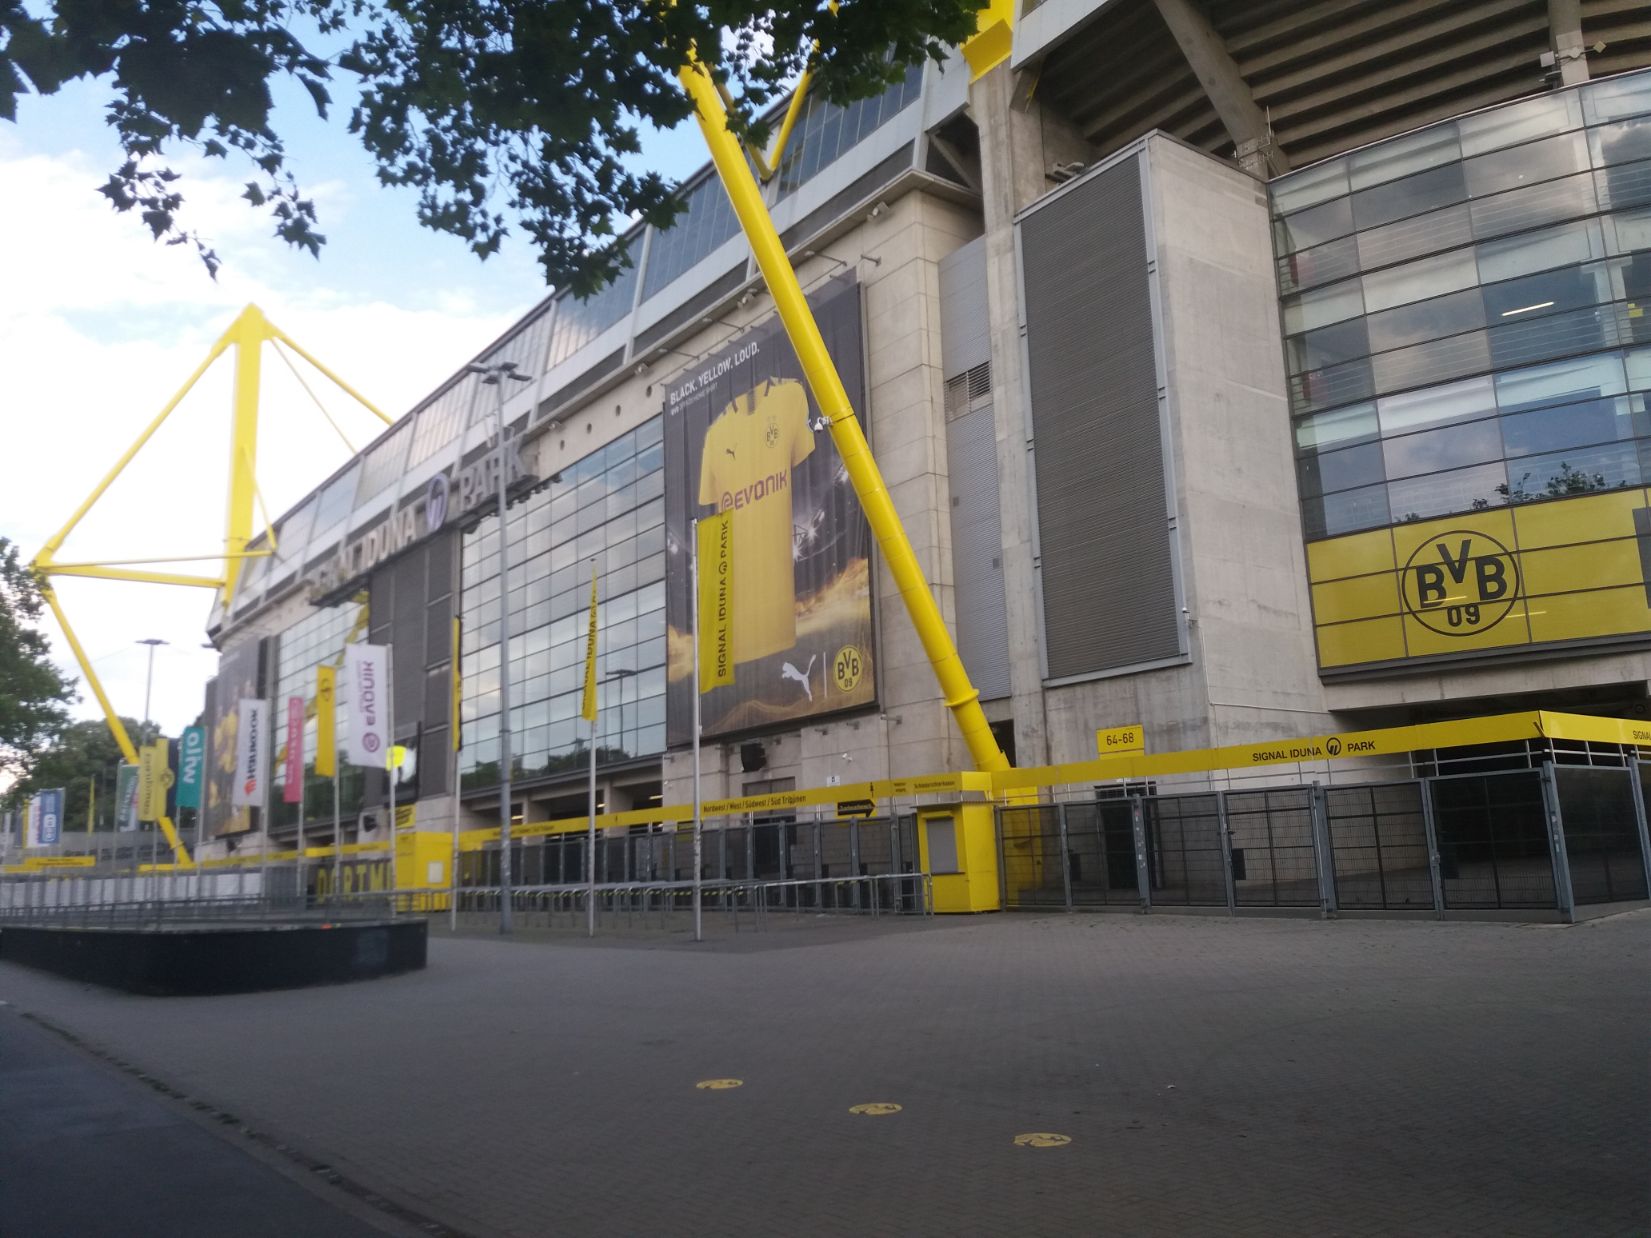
(750, 451)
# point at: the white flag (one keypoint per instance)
(251, 755)
(367, 693)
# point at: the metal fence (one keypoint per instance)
(1549, 838)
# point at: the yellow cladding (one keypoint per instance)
(1561, 570)
(1369, 640)
(1577, 520)
(1357, 597)
(1602, 612)
(1356, 555)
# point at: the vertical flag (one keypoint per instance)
(716, 601)
(31, 822)
(587, 709)
(126, 798)
(326, 725)
(292, 789)
(45, 820)
(191, 766)
(366, 692)
(251, 754)
(154, 780)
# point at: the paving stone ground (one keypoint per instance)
(1266, 1077)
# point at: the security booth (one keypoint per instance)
(957, 848)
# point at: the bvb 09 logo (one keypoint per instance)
(1461, 583)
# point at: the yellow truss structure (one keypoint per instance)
(246, 338)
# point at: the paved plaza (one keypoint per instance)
(1267, 1077)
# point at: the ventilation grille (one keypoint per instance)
(967, 388)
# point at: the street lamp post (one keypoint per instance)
(148, 685)
(494, 376)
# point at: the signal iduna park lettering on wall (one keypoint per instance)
(1540, 573)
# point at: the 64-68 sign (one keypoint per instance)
(1461, 583)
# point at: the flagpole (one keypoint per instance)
(693, 590)
(591, 715)
(263, 806)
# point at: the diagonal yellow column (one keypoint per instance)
(823, 380)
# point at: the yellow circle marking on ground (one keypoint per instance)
(718, 1085)
(875, 1109)
(1042, 1139)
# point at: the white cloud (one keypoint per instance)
(99, 327)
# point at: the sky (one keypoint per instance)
(100, 327)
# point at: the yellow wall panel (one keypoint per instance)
(1603, 612)
(1425, 641)
(1408, 539)
(1356, 555)
(1361, 597)
(1372, 640)
(1566, 569)
(1570, 521)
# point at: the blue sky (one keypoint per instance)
(99, 326)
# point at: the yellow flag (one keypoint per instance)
(716, 601)
(326, 741)
(154, 780)
(587, 710)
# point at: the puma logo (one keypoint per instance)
(730, 452)
(787, 671)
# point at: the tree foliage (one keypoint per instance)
(495, 111)
(83, 754)
(33, 692)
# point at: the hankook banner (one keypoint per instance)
(743, 436)
(252, 749)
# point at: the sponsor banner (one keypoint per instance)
(716, 601)
(1534, 572)
(126, 798)
(251, 754)
(154, 779)
(326, 721)
(367, 694)
(45, 821)
(292, 788)
(241, 676)
(744, 437)
(191, 766)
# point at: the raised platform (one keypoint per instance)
(201, 959)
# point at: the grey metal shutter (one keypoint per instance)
(1106, 569)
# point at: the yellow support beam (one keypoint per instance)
(143, 578)
(850, 440)
(248, 332)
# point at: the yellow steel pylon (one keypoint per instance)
(246, 336)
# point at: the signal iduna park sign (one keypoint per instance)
(1559, 571)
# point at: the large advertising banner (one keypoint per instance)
(366, 695)
(1572, 570)
(126, 798)
(743, 435)
(240, 676)
(252, 755)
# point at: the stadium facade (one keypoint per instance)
(1239, 370)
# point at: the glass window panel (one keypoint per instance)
(1546, 160)
(1315, 225)
(1439, 494)
(1410, 455)
(1329, 471)
(1309, 187)
(1567, 425)
(1345, 512)
(1631, 230)
(1617, 97)
(1412, 238)
(1425, 191)
(1533, 206)
(1638, 367)
(1427, 320)
(1577, 471)
(1624, 142)
(1548, 292)
(1337, 428)
(1327, 305)
(1561, 383)
(1519, 122)
(1343, 384)
(1540, 251)
(1319, 265)
(1416, 281)
(1437, 406)
(1436, 361)
(1328, 346)
(1545, 333)
(1404, 156)
(1624, 185)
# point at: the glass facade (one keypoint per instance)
(608, 507)
(706, 222)
(1467, 311)
(316, 639)
(826, 132)
(1467, 322)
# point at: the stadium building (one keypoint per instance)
(1239, 370)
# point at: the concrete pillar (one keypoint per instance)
(1565, 31)
(1228, 92)
(1019, 143)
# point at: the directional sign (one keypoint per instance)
(856, 808)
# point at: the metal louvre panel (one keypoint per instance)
(1106, 569)
(977, 551)
(965, 331)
